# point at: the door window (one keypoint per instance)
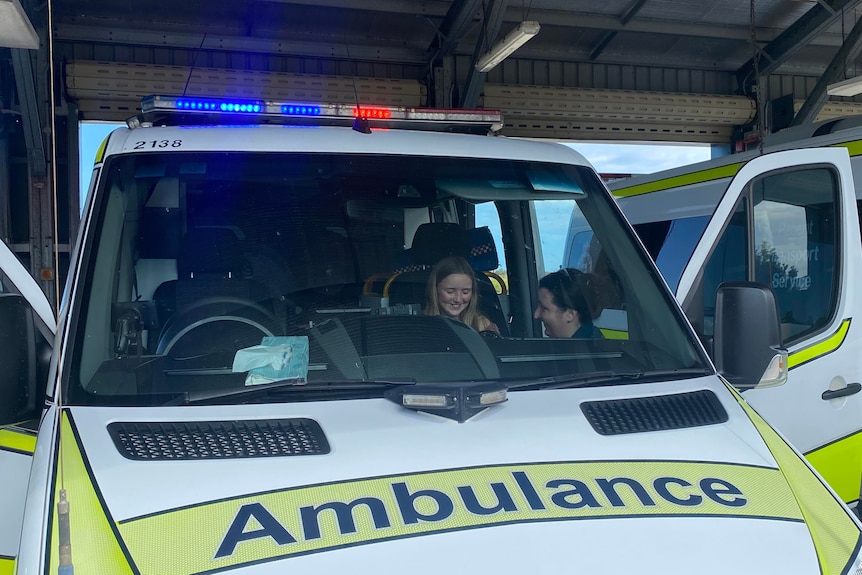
(795, 236)
(793, 229)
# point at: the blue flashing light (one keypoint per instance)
(219, 106)
(300, 110)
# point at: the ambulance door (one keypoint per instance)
(18, 440)
(789, 220)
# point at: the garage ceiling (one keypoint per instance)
(713, 35)
(585, 52)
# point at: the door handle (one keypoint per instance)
(843, 392)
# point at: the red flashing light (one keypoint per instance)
(375, 113)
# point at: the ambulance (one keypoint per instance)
(245, 375)
(786, 216)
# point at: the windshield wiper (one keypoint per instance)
(265, 390)
(606, 377)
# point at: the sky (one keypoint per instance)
(90, 136)
(606, 158)
(640, 158)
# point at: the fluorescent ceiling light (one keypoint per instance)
(16, 31)
(851, 87)
(502, 49)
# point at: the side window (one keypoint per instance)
(728, 262)
(670, 244)
(552, 220)
(587, 255)
(795, 239)
(579, 254)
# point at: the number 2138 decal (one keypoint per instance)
(158, 144)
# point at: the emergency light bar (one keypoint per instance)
(176, 110)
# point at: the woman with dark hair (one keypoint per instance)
(567, 304)
(452, 292)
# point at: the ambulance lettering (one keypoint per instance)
(269, 527)
(317, 518)
(428, 506)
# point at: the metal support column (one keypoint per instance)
(4, 189)
(41, 248)
(444, 82)
(42, 234)
(22, 64)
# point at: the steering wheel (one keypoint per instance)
(491, 334)
(215, 326)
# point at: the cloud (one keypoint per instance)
(640, 158)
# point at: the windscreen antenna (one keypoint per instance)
(194, 63)
(360, 122)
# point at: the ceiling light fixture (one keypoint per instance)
(16, 31)
(513, 40)
(850, 87)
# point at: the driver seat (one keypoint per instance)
(214, 286)
(211, 264)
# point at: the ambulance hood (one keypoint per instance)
(526, 486)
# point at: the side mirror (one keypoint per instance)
(747, 344)
(21, 391)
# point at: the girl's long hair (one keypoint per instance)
(444, 268)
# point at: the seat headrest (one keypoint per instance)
(333, 263)
(435, 241)
(483, 250)
(210, 250)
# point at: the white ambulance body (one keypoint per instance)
(245, 378)
(795, 229)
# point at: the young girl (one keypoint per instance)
(451, 291)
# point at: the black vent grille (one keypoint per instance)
(641, 414)
(218, 439)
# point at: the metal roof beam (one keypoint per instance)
(435, 8)
(834, 71)
(453, 28)
(487, 36)
(331, 48)
(606, 38)
(800, 34)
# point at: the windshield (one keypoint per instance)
(211, 273)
